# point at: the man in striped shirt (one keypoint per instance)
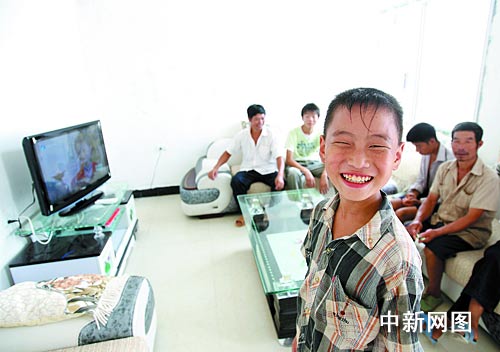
(364, 279)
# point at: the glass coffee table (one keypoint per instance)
(277, 225)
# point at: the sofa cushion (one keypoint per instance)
(34, 303)
(259, 187)
(26, 305)
(408, 170)
(133, 315)
(460, 267)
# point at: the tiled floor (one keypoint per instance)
(207, 288)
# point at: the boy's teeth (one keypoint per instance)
(357, 179)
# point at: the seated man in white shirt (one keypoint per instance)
(423, 137)
(261, 157)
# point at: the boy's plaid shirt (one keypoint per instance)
(352, 281)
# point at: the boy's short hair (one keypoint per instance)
(311, 107)
(421, 132)
(469, 126)
(366, 97)
(254, 110)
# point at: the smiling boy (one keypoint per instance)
(361, 262)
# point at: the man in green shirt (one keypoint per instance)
(303, 163)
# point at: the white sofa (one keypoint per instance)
(34, 319)
(201, 196)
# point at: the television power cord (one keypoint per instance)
(34, 235)
(18, 220)
(160, 150)
(20, 217)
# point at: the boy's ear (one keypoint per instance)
(322, 148)
(399, 154)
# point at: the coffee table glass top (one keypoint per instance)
(277, 224)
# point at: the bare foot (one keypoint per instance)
(436, 333)
(476, 310)
(239, 222)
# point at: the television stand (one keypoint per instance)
(79, 248)
(82, 204)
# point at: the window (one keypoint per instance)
(438, 48)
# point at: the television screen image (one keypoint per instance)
(66, 164)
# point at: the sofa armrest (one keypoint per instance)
(222, 182)
(192, 178)
(204, 166)
(209, 197)
(189, 180)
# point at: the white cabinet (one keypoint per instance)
(82, 251)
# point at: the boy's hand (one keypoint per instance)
(310, 180)
(324, 185)
(414, 228)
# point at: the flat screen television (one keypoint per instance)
(67, 166)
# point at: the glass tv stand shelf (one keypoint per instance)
(105, 213)
(97, 240)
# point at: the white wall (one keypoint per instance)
(489, 104)
(176, 74)
(43, 86)
(179, 74)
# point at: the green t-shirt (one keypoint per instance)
(303, 146)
